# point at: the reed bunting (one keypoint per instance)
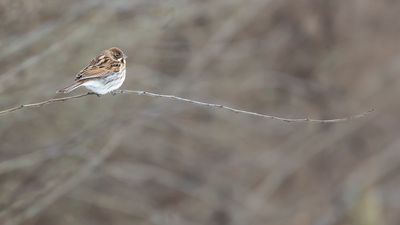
(104, 74)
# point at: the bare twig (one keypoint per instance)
(40, 104)
(210, 105)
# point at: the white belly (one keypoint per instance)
(105, 85)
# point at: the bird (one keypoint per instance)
(104, 74)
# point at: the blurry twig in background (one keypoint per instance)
(210, 105)
(70, 183)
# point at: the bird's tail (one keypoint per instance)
(70, 88)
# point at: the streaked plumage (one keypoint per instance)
(104, 74)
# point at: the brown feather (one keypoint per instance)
(70, 87)
(99, 66)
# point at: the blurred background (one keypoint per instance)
(130, 159)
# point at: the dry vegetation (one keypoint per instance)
(130, 159)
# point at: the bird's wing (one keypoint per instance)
(100, 66)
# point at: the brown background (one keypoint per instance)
(131, 159)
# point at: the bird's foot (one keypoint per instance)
(115, 92)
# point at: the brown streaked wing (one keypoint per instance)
(93, 73)
(98, 67)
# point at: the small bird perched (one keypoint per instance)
(104, 74)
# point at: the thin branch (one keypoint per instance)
(210, 105)
(40, 104)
